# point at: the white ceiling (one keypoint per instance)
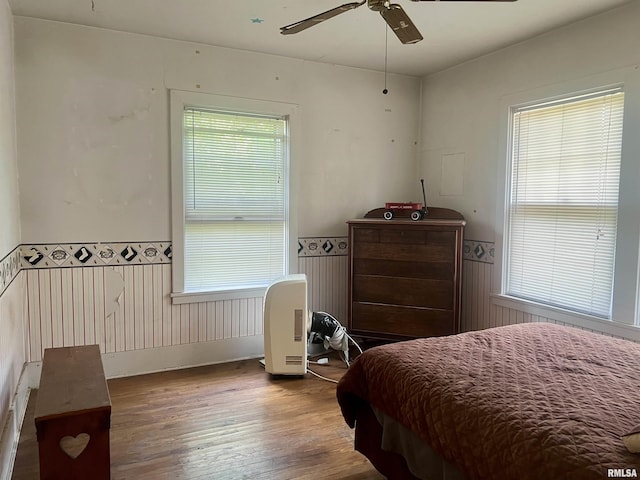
(453, 31)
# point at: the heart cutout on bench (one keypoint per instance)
(74, 446)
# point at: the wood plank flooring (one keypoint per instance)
(229, 421)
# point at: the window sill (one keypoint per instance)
(608, 327)
(214, 296)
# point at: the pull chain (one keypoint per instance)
(386, 36)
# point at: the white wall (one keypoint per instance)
(461, 104)
(12, 342)
(462, 114)
(94, 140)
(9, 211)
(93, 147)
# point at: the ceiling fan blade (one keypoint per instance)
(401, 24)
(321, 17)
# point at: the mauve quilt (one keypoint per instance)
(525, 402)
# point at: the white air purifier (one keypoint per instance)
(285, 326)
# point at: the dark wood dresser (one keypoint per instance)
(405, 276)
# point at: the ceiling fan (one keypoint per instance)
(392, 13)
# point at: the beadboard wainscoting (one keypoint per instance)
(476, 286)
(60, 296)
(327, 284)
(78, 306)
(118, 296)
(477, 270)
(12, 341)
(125, 306)
(13, 391)
(480, 311)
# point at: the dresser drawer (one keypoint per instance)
(403, 321)
(404, 253)
(420, 235)
(403, 291)
(444, 270)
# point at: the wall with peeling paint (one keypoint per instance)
(94, 141)
(94, 146)
(464, 121)
(9, 211)
(12, 326)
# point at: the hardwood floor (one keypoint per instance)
(229, 421)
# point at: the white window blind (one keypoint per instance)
(235, 199)
(563, 211)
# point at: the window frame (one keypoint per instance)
(180, 99)
(521, 198)
(625, 320)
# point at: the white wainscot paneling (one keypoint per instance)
(327, 279)
(476, 287)
(128, 311)
(479, 311)
(128, 308)
(12, 356)
(13, 395)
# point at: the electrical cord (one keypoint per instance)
(354, 342)
(320, 376)
(340, 339)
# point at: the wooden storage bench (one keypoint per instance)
(73, 415)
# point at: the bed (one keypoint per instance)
(527, 402)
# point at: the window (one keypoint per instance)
(231, 184)
(562, 209)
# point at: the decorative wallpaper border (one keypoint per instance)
(478, 251)
(60, 255)
(322, 246)
(473, 250)
(55, 255)
(9, 268)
